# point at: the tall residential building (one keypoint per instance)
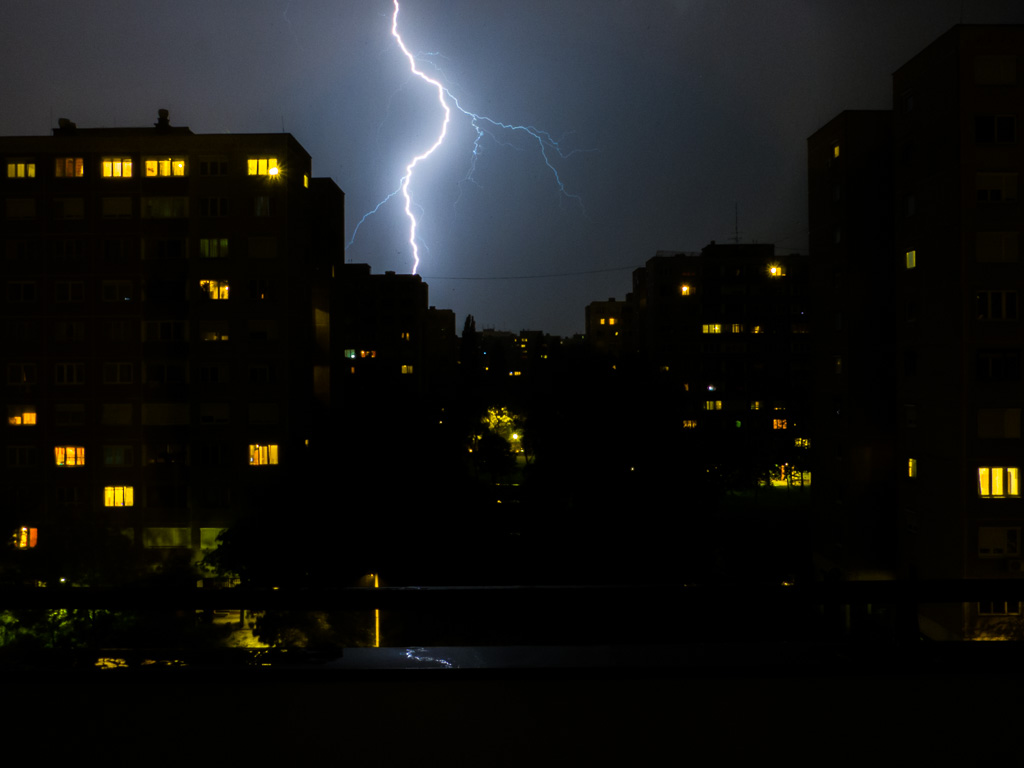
(947, 320)
(166, 323)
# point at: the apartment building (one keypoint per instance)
(166, 318)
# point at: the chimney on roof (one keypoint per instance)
(162, 119)
(65, 125)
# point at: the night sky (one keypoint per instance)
(679, 112)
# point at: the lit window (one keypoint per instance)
(213, 247)
(119, 496)
(756, 329)
(19, 170)
(263, 166)
(408, 369)
(406, 337)
(755, 405)
(611, 321)
(368, 353)
(911, 259)
(779, 424)
(998, 482)
(912, 468)
(214, 289)
(802, 442)
(117, 167)
(737, 327)
(262, 455)
(165, 166)
(711, 328)
(305, 180)
(684, 290)
(601, 321)
(26, 537)
(835, 150)
(68, 167)
(776, 270)
(689, 423)
(21, 415)
(350, 354)
(69, 455)
(712, 405)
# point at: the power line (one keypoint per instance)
(538, 276)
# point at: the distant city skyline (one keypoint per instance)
(688, 110)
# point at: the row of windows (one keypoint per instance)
(260, 455)
(993, 482)
(165, 207)
(27, 537)
(71, 374)
(74, 291)
(744, 328)
(123, 167)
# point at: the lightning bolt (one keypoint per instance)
(545, 142)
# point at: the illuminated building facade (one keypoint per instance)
(951, 323)
(725, 336)
(165, 326)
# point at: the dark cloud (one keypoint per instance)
(686, 110)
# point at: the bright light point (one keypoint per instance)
(274, 171)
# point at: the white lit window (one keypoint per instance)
(262, 455)
(69, 455)
(116, 167)
(119, 496)
(165, 166)
(263, 166)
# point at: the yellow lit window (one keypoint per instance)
(601, 321)
(406, 336)
(214, 289)
(802, 442)
(998, 482)
(912, 468)
(69, 455)
(26, 537)
(408, 369)
(262, 455)
(755, 405)
(21, 415)
(756, 329)
(117, 167)
(305, 180)
(165, 166)
(21, 170)
(684, 290)
(776, 270)
(737, 327)
(835, 150)
(689, 424)
(69, 167)
(711, 328)
(611, 321)
(712, 405)
(911, 259)
(778, 424)
(119, 496)
(263, 166)
(368, 353)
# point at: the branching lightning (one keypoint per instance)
(482, 124)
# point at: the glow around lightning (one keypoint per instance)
(544, 141)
